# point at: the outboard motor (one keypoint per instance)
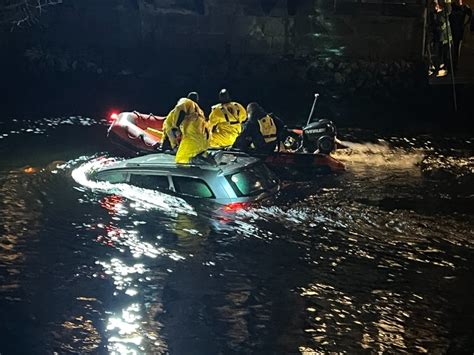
(320, 136)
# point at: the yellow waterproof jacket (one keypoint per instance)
(225, 122)
(186, 105)
(195, 136)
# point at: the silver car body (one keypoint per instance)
(234, 177)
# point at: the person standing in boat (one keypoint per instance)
(262, 132)
(225, 121)
(459, 17)
(185, 128)
(441, 34)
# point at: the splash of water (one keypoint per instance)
(147, 199)
(379, 155)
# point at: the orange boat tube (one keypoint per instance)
(137, 131)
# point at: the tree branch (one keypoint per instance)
(16, 13)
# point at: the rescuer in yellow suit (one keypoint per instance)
(225, 121)
(186, 127)
(262, 132)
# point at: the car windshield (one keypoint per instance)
(252, 180)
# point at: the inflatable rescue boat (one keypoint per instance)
(138, 133)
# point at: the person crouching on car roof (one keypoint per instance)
(261, 133)
(225, 121)
(185, 127)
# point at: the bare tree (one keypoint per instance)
(16, 13)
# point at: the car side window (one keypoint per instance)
(192, 187)
(152, 182)
(113, 177)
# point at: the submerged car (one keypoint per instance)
(230, 178)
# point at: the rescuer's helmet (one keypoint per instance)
(224, 96)
(193, 95)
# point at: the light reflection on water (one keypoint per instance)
(126, 329)
(379, 259)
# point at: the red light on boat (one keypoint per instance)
(113, 116)
(234, 206)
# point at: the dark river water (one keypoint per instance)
(379, 259)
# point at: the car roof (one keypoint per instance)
(226, 162)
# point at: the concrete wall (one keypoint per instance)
(235, 27)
